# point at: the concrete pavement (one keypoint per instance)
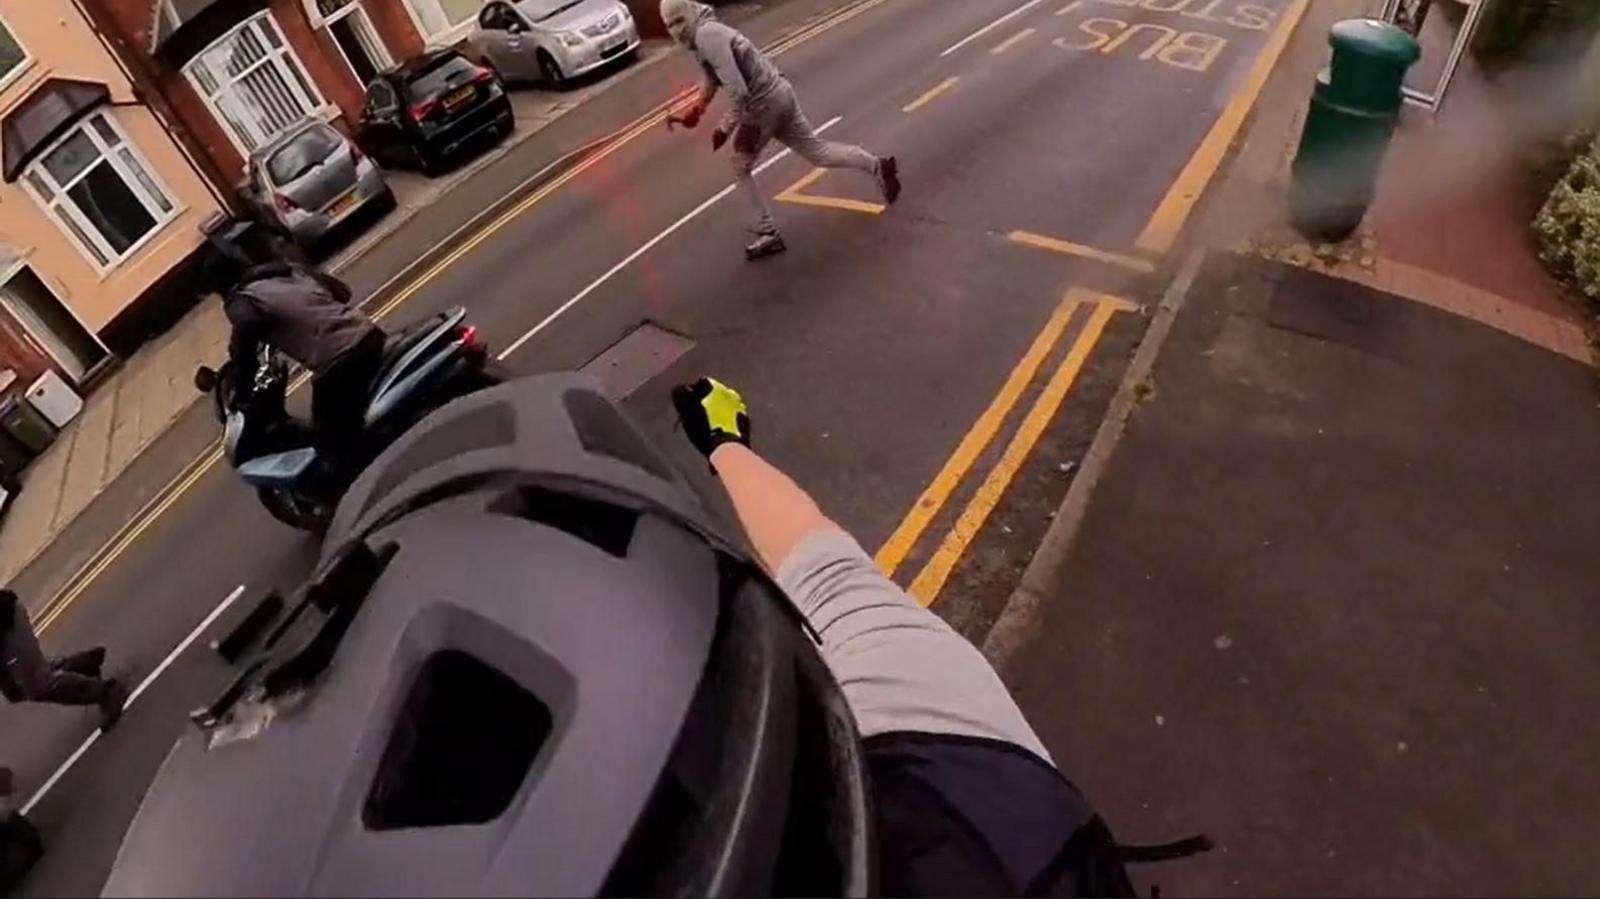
(912, 366)
(1331, 599)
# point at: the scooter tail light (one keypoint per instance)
(469, 336)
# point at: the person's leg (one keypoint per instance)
(747, 144)
(339, 398)
(41, 681)
(795, 132)
(89, 662)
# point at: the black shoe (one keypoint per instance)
(767, 243)
(87, 663)
(111, 703)
(889, 179)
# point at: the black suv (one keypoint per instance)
(427, 110)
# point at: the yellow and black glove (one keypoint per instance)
(712, 414)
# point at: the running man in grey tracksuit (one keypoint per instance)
(761, 107)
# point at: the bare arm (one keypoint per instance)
(775, 512)
(901, 667)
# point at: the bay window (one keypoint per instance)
(253, 83)
(13, 59)
(98, 189)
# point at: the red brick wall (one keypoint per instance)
(396, 27)
(19, 353)
(132, 18)
(320, 56)
(203, 125)
(323, 62)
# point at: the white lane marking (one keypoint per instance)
(634, 256)
(137, 692)
(991, 26)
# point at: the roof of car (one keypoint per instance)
(294, 131)
(425, 60)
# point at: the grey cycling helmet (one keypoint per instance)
(527, 664)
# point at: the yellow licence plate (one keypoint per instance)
(461, 96)
(342, 205)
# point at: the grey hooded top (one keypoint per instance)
(731, 62)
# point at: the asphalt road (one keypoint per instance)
(917, 359)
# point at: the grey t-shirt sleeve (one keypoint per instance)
(901, 667)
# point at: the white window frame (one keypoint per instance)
(21, 67)
(371, 38)
(447, 37)
(63, 211)
(291, 70)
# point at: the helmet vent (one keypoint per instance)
(602, 525)
(462, 744)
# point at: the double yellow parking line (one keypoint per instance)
(1098, 310)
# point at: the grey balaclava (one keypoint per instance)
(684, 18)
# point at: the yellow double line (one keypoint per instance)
(180, 485)
(928, 583)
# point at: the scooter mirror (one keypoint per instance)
(205, 379)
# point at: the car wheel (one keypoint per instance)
(386, 200)
(551, 70)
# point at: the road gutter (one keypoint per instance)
(1020, 618)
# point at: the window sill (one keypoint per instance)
(19, 74)
(139, 246)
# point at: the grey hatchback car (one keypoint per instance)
(312, 179)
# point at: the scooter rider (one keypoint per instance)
(307, 315)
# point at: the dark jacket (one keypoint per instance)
(9, 605)
(303, 313)
(8, 609)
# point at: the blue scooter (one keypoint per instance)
(424, 367)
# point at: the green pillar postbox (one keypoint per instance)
(1355, 107)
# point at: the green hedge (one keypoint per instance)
(1568, 227)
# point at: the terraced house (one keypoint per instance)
(238, 73)
(99, 204)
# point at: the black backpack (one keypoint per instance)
(963, 816)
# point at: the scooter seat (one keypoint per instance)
(395, 348)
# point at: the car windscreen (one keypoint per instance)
(304, 152)
(431, 82)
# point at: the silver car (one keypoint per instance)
(311, 179)
(553, 41)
